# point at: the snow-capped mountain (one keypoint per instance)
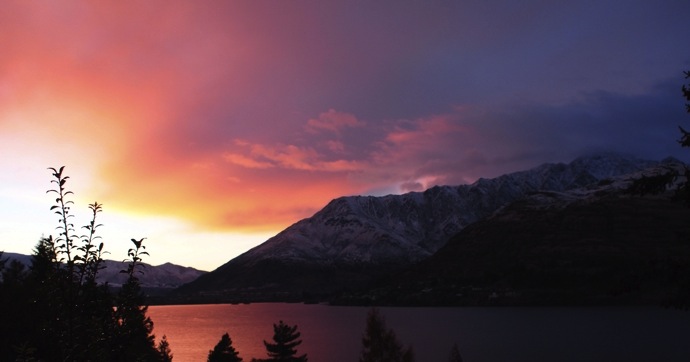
(612, 242)
(410, 227)
(366, 236)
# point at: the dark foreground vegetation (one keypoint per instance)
(55, 310)
(379, 344)
(628, 250)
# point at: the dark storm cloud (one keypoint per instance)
(519, 136)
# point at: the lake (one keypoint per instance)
(333, 333)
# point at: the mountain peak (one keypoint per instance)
(606, 164)
(355, 238)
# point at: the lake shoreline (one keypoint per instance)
(333, 333)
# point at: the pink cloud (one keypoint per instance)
(342, 165)
(245, 161)
(406, 143)
(423, 130)
(335, 146)
(287, 156)
(290, 157)
(333, 121)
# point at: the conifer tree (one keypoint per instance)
(286, 339)
(14, 298)
(408, 355)
(135, 340)
(164, 350)
(685, 135)
(379, 344)
(454, 355)
(684, 188)
(224, 351)
(60, 313)
(681, 299)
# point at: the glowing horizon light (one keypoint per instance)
(167, 239)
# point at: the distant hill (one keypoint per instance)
(155, 279)
(354, 241)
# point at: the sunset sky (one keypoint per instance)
(209, 126)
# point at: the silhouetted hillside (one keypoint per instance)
(618, 249)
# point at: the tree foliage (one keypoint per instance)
(224, 351)
(164, 350)
(685, 135)
(682, 297)
(454, 355)
(59, 312)
(684, 189)
(380, 344)
(285, 341)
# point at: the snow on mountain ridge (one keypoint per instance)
(616, 184)
(407, 228)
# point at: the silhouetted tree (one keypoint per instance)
(408, 355)
(224, 351)
(681, 299)
(60, 313)
(164, 350)
(14, 301)
(684, 189)
(286, 339)
(14, 274)
(135, 340)
(685, 135)
(379, 344)
(454, 355)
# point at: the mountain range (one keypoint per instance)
(604, 244)
(585, 232)
(355, 242)
(158, 279)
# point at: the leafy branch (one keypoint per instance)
(135, 258)
(65, 240)
(92, 258)
(685, 135)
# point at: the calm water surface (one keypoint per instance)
(333, 334)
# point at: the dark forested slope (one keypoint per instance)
(617, 249)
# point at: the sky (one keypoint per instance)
(210, 126)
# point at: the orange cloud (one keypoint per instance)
(289, 157)
(221, 197)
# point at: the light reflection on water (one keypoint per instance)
(333, 334)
